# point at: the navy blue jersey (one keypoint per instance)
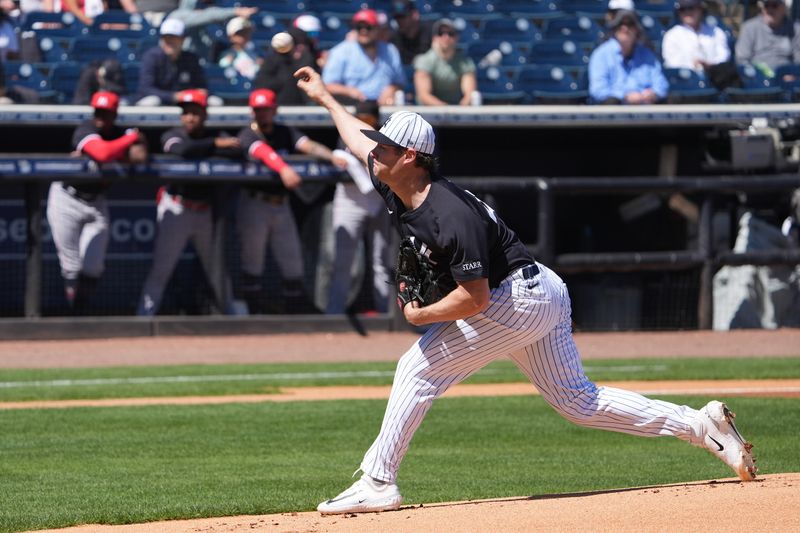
(177, 141)
(282, 139)
(85, 132)
(461, 235)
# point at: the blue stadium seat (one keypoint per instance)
(520, 31)
(550, 85)
(52, 24)
(534, 10)
(687, 86)
(333, 30)
(27, 76)
(757, 88)
(98, 47)
(122, 25)
(228, 85)
(340, 8)
(592, 7)
(130, 73)
(283, 10)
(64, 79)
(789, 78)
(496, 52)
(663, 10)
(471, 9)
(566, 54)
(576, 29)
(265, 25)
(55, 49)
(497, 87)
(653, 29)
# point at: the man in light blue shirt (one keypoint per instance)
(624, 71)
(365, 68)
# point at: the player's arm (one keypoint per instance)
(467, 299)
(313, 148)
(349, 127)
(104, 151)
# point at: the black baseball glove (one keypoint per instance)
(417, 279)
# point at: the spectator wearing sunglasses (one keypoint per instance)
(366, 68)
(770, 39)
(443, 75)
(624, 71)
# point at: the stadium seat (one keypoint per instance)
(653, 29)
(130, 73)
(550, 85)
(98, 47)
(520, 31)
(566, 54)
(52, 24)
(338, 8)
(122, 25)
(265, 25)
(55, 49)
(64, 80)
(592, 7)
(487, 53)
(687, 86)
(536, 11)
(333, 30)
(757, 88)
(469, 9)
(27, 76)
(283, 10)
(663, 11)
(497, 87)
(228, 85)
(576, 29)
(788, 77)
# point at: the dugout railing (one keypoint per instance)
(35, 171)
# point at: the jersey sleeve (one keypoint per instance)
(247, 138)
(468, 242)
(84, 133)
(296, 136)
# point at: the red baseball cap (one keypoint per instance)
(263, 98)
(193, 96)
(105, 100)
(370, 16)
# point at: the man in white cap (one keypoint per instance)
(167, 69)
(503, 304)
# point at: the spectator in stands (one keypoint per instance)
(154, 11)
(624, 71)
(84, 10)
(770, 39)
(692, 43)
(9, 44)
(78, 212)
(166, 69)
(443, 75)
(412, 36)
(791, 225)
(616, 5)
(358, 215)
(184, 210)
(305, 32)
(365, 69)
(30, 6)
(264, 216)
(277, 72)
(99, 76)
(196, 15)
(241, 55)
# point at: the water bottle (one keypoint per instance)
(399, 97)
(475, 98)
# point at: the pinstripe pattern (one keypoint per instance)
(410, 130)
(530, 323)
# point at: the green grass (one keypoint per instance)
(249, 379)
(135, 464)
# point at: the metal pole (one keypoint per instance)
(33, 260)
(705, 309)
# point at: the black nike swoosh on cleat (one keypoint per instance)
(721, 447)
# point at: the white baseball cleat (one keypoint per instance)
(365, 496)
(717, 433)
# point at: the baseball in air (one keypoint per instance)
(282, 42)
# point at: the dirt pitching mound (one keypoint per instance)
(771, 503)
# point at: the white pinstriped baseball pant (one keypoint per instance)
(529, 321)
